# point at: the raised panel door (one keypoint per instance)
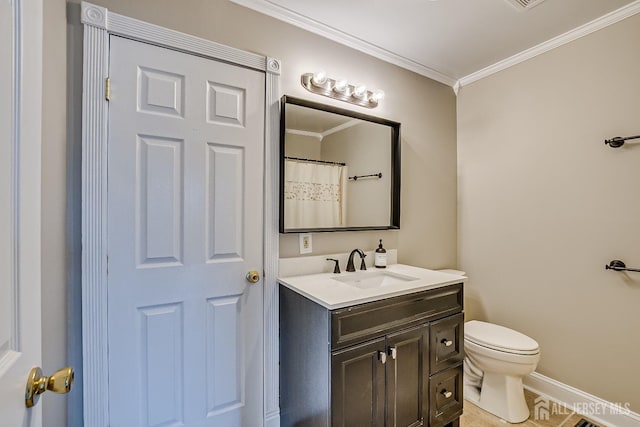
(20, 201)
(407, 377)
(358, 385)
(185, 186)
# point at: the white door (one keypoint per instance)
(20, 105)
(185, 202)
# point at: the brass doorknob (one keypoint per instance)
(253, 276)
(59, 382)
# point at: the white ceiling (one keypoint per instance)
(452, 41)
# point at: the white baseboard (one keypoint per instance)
(272, 420)
(599, 410)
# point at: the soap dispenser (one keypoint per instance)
(381, 256)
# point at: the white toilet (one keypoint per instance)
(496, 360)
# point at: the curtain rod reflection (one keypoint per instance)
(315, 161)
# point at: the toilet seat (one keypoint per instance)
(499, 338)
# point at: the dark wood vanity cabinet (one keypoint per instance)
(395, 362)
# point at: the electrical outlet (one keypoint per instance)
(306, 246)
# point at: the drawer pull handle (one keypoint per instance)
(382, 357)
(446, 342)
(447, 394)
(393, 352)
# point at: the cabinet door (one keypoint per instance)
(407, 377)
(357, 385)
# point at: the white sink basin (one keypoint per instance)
(373, 279)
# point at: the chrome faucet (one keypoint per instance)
(350, 266)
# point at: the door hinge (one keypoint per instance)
(107, 88)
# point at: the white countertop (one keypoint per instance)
(333, 294)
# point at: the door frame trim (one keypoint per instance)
(98, 24)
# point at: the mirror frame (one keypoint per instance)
(394, 220)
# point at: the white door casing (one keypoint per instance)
(20, 124)
(99, 25)
(185, 174)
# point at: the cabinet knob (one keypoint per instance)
(393, 352)
(446, 393)
(446, 342)
(382, 357)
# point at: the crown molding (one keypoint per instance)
(267, 8)
(581, 31)
(278, 12)
(315, 135)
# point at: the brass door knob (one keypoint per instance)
(59, 382)
(253, 276)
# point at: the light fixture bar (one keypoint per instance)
(340, 89)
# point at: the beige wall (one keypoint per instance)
(366, 149)
(305, 147)
(544, 205)
(425, 108)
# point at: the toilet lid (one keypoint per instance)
(499, 338)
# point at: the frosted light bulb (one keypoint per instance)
(340, 85)
(319, 78)
(359, 91)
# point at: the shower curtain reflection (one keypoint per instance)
(314, 195)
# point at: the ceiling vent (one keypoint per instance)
(525, 4)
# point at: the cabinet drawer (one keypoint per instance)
(445, 391)
(365, 321)
(447, 337)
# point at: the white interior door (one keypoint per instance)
(185, 202)
(20, 105)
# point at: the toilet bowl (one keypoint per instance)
(496, 360)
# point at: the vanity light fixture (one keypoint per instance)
(357, 94)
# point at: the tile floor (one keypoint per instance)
(476, 417)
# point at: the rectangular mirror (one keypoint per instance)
(339, 169)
